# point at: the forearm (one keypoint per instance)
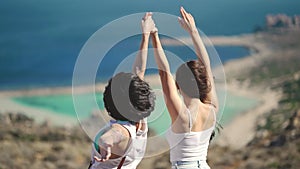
(159, 54)
(202, 55)
(188, 23)
(139, 66)
(166, 77)
(200, 49)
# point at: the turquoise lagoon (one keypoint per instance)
(159, 121)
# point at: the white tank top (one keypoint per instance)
(134, 153)
(190, 146)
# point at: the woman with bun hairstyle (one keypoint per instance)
(191, 101)
(129, 100)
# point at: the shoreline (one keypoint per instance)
(241, 129)
(38, 114)
(236, 134)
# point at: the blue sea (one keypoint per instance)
(41, 40)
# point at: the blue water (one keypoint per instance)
(63, 103)
(40, 40)
(56, 70)
(159, 119)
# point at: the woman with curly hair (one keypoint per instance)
(193, 117)
(129, 100)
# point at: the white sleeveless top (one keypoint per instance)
(190, 146)
(134, 153)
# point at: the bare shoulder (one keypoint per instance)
(207, 115)
(120, 130)
(207, 110)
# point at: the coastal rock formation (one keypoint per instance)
(282, 21)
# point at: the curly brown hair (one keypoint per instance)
(128, 98)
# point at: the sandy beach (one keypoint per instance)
(236, 134)
(241, 130)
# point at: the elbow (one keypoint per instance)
(139, 72)
(163, 75)
(141, 75)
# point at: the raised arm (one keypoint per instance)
(172, 99)
(188, 23)
(139, 66)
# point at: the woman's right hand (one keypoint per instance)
(148, 25)
(187, 21)
(104, 149)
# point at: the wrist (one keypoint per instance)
(154, 34)
(145, 40)
(146, 35)
(194, 31)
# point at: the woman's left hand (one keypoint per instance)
(187, 21)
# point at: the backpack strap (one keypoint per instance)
(90, 165)
(121, 162)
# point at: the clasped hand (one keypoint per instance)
(148, 25)
(186, 21)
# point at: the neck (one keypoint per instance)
(190, 102)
